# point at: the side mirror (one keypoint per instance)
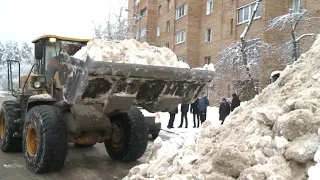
(38, 50)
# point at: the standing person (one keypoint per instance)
(202, 107)
(184, 112)
(172, 117)
(194, 110)
(235, 101)
(207, 104)
(224, 110)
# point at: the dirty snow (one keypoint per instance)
(273, 136)
(129, 51)
(209, 67)
(41, 96)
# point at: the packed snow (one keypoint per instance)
(41, 96)
(129, 51)
(273, 136)
(209, 67)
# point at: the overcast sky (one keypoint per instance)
(24, 20)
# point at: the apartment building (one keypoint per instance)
(197, 30)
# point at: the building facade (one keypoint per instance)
(197, 30)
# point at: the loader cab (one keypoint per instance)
(47, 49)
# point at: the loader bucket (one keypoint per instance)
(117, 86)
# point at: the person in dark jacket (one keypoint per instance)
(202, 107)
(172, 117)
(224, 110)
(194, 110)
(184, 111)
(207, 104)
(235, 102)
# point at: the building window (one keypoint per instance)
(296, 5)
(181, 11)
(207, 60)
(159, 10)
(245, 12)
(158, 31)
(143, 32)
(208, 37)
(180, 37)
(168, 5)
(182, 58)
(167, 45)
(143, 12)
(209, 7)
(168, 26)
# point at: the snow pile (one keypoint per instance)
(209, 67)
(274, 136)
(129, 51)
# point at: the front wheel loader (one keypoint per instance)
(67, 100)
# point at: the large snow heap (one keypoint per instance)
(273, 137)
(129, 51)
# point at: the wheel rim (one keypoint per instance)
(31, 140)
(2, 127)
(117, 135)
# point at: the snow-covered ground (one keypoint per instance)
(212, 115)
(4, 93)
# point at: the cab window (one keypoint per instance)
(52, 50)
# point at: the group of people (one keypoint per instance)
(226, 107)
(197, 108)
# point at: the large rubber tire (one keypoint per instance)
(134, 141)
(45, 139)
(8, 115)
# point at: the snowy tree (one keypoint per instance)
(240, 63)
(290, 49)
(242, 74)
(26, 53)
(11, 50)
(116, 27)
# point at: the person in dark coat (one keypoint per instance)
(235, 102)
(207, 104)
(194, 110)
(184, 112)
(172, 117)
(224, 110)
(202, 107)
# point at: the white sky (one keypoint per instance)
(25, 20)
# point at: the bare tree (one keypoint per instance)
(116, 27)
(291, 20)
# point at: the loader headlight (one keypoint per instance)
(37, 84)
(52, 40)
(157, 118)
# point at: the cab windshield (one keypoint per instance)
(54, 49)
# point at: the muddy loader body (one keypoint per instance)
(67, 100)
